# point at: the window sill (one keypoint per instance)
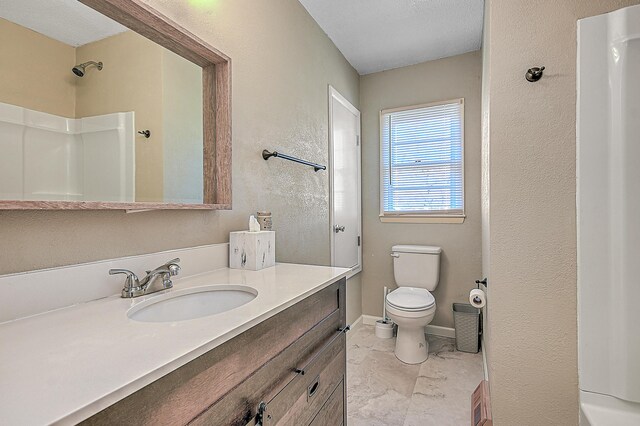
(422, 219)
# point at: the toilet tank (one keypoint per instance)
(416, 266)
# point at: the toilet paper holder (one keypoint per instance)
(482, 281)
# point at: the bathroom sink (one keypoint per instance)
(191, 303)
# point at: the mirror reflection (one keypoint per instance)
(92, 111)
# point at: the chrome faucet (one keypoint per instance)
(133, 287)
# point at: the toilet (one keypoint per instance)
(412, 306)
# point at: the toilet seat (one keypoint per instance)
(410, 299)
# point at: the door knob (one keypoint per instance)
(337, 228)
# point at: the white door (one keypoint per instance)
(344, 152)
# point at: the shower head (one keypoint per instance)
(79, 70)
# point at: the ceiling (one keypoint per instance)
(67, 21)
(377, 35)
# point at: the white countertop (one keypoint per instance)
(66, 365)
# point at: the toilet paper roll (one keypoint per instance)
(477, 298)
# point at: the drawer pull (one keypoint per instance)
(313, 388)
(260, 418)
(303, 369)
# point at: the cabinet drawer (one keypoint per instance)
(299, 402)
(239, 406)
(332, 413)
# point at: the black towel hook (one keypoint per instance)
(534, 74)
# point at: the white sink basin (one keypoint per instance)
(190, 303)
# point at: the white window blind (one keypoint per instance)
(423, 160)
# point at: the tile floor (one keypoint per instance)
(382, 391)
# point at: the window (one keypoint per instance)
(422, 168)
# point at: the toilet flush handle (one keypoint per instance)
(395, 254)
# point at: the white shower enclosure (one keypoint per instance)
(48, 157)
(608, 217)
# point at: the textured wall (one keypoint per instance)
(532, 235)
(282, 64)
(455, 77)
(30, 66)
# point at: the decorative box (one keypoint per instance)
(252, 250)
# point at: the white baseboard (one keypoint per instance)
(435, 330)
(357, 322)
(369, 319)
(354, 326)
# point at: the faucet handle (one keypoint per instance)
(173, 266)
(173, 269)
(116, 271)
(131, 277)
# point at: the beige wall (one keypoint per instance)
(182, 129)
(282, 65)
(35, 71)
(131, 80)
(532, 234)
(443, 79)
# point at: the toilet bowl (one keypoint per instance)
(411, 309)
(416, 270)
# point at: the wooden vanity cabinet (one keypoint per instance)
(286, 370)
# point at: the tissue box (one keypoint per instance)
(252, 250)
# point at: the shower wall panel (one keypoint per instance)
(608, 191)
(108, 157)
(48, 157)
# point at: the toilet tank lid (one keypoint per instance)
(416, 249)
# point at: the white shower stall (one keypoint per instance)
(48, 157)
(608, 217)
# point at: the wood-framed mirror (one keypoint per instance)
(110, 105)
